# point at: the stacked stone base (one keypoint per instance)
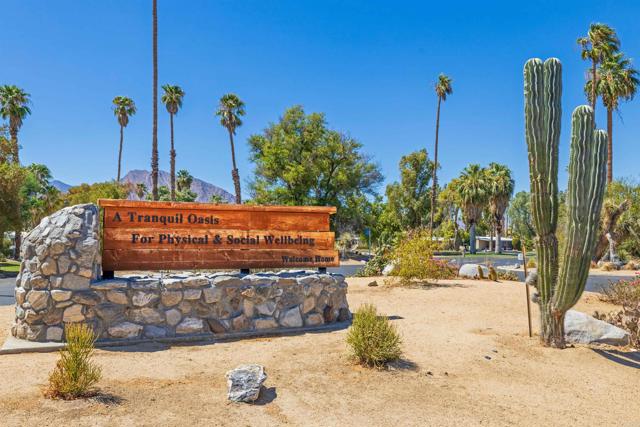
(184, 305)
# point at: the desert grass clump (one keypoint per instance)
(75, 373)
(374, 341)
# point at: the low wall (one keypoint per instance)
(59, 283)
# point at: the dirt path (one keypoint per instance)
(468, 362)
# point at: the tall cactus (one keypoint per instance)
(560, 286)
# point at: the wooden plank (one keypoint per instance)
(212, 218)
(214, 239)
(161, 259)
(219, 207)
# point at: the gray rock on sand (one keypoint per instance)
(245, 382)
(580, 328)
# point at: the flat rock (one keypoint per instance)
(125, 330)
(580, 328)
(245, 382)
(291, 318)
(190, 325)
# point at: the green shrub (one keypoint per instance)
(374, 341)
(413, 259)
(376, 263)
(75, 373)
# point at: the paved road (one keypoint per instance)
(6, 291)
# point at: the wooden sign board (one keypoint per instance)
(142, 235)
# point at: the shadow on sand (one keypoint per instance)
(151, 346)
(625, 358)
(267, 395)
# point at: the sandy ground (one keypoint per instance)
(468, 361)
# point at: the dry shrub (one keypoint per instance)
(75, 373)
(623, 292)
(632, 265)
(374, 341)
(508, 275)
(609, 266)
(627, 294)
(413, 259)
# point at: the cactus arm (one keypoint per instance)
(543, 92)
(587, 183)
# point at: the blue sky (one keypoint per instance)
(369, 65)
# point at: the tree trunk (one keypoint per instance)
(499, 237)
(17, 241)
(120, 152)
(594, 92)
(609, 145)
(490, 237)
(15, 146)
(435, 170)
(234, 172)
(552, 327)
(154, 143)
(172, 154)
(611, 217)
(472, 238)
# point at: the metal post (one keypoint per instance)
(526, 287)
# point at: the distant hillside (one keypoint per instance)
(203, 189)
(60, 186)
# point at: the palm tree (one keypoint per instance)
(184, 180)
(501, 186)
(601, 41)
(14, 106)
(616, 79)
(230, 109)
(172, 99)
(154, 142)
(141, 190)
(123, 108)
(443, 88)
(473, 189)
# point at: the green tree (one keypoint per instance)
(38, 197)
(443, 88)
(172, 99)
(141, 190)
(501, 186)
(12, 177)
(183, 189)
(621, 219)
(90, 193)
(450, 204)
(409, 200)
(217, 199)
(616, 79)
(299, 161)
(123, 108)
(474, 194)
(154, 137)
(14, 106)
(521, 221)
(230, 110)
(600, 42)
